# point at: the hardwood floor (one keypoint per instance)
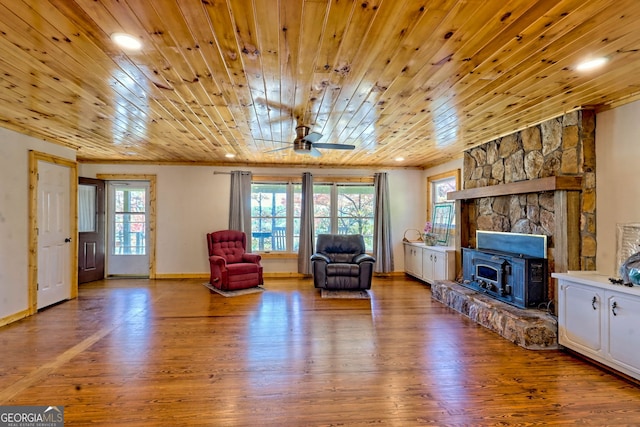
(170, 352)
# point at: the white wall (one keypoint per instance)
(14, 216)
(192, 201)
(617, 192)
(445, 167)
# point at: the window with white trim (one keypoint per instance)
(438, 186)
(339, 208)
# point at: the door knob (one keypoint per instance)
(67, 240)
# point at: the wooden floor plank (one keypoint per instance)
(170, 352)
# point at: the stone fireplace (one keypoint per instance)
(540, 180)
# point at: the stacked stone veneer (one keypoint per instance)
(557, 147)
(531, 329)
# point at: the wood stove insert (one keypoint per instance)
(510, 267)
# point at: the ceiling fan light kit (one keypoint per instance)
(302, 132)
(301, 146)
(305, 143)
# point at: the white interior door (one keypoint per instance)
(128, 228)
(54, 234)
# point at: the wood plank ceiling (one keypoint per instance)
(423, 80)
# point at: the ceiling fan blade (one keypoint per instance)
(277, 149)
(273, 140)
(314, 152)
(312, 137)
(280, 119)
(334, 146)
(273, 104)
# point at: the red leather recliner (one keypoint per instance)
(232, 267)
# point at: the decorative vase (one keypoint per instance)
(634, 276)
(430, 239)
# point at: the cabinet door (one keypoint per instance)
(417, 261)
(427, 264)
(440, 266)
(580, 317)
(408, 259)
(623, 342)
(413, 260)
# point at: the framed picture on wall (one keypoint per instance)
(442, 215)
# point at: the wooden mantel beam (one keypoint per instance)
(552, 183)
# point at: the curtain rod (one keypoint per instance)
(288, 174)
(289, 177)
(227, 173)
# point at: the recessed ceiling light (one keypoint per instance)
(591, 64)
(399, 159)
(230, 155)
(126, 41)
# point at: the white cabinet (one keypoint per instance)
(581, 316)
(623, 331)
(413, 260)
(600, 320)
(429, 263)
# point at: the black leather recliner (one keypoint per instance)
(340, 262)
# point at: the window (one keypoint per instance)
(344, 209)
(437, 188)
(322, 209)
(86, 208)
(339, 207)
(129, 221)
(355, 211)
(272, 205)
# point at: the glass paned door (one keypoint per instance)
(128, 228)
(130, 221)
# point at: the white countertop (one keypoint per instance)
(597, 279)
(435, 248)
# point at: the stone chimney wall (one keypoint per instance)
(564, 146)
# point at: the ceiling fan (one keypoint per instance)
(305, 143)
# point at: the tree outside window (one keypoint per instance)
(338, 208)
(356, 211)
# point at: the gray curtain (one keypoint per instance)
(305, 248)
(382, 243)
(240, 203)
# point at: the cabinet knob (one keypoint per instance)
(613, 308)
(593, 303)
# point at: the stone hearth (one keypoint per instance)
(530, 328)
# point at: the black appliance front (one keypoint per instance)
(515, 279)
